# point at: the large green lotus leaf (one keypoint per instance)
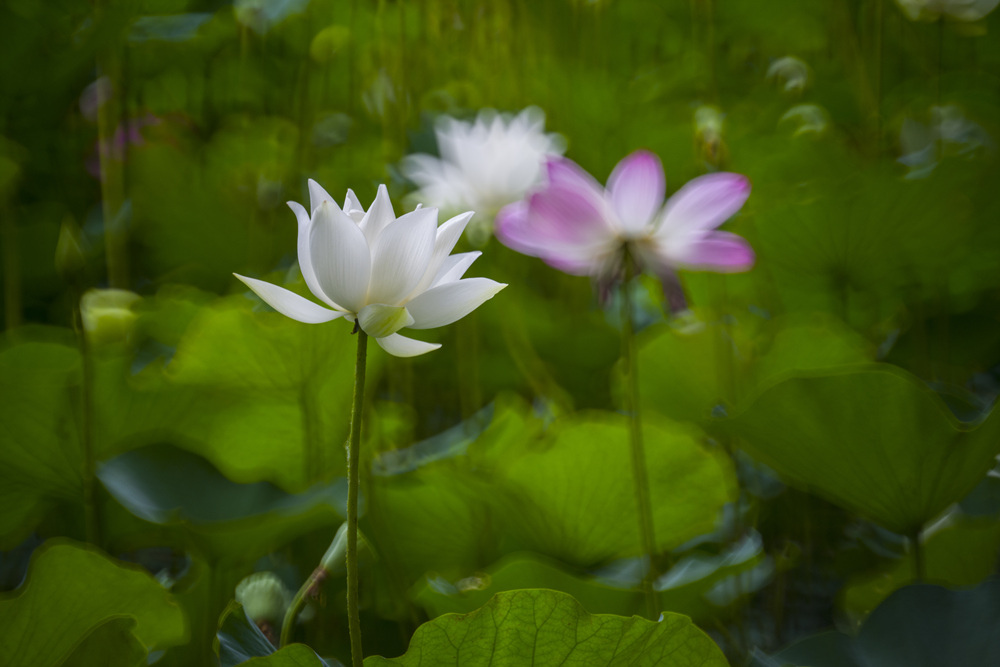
(526, 570)
(428, 505)
(284, 383)
(984, 500)
(200, 237)
(872, 438)
(294, 655)
(256, 393)
(229, 345)
(917, 626)
(687, 368)
(519, 571)
(41, 459)
(546, 627)
(110, 644)
(251, 435)
(69, 592)
(570, 494)
(430, 520)
(874, 235)
(165, 485)
(811, 342)
(960, 554)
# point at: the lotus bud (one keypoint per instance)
(107, 315)
(333, 559)
(328, 42)
(708, 126)
(791, 72)
(807, 118)
(264, 597)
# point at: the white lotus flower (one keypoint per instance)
(959, 10)
(381, 272)
(484, 165)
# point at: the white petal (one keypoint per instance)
(400, 256)
(401, 346)
(305, 256)
(289, 303)
(340, 257)
(353, 207)
(379, 215)
(317, 195)
(380, 320)
(454, 267)
(447, 236)
(447, 303)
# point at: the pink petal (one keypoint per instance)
(518, 226)
(717, 251)
(565, 173)
(635, 190)
(550, 220)
(576, 265)
(704, 203)
(513, 230)
(568, 216)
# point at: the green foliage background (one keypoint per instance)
(805, 421)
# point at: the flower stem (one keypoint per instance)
(91, 497)
(310, 588)
(639, 474)
(11, 268)
(298, 602)
(353, 480)
(111, 159)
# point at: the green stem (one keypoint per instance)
(879, 21)
(299, 601)
(112, 170)
(311, 586)
(91, 499)
(353, 480)
(11, 269)
(639, 474)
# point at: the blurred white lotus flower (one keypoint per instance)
(791, 72)
(262, 15)
(381, 272)
(959, 10)
(484, 165)
(808, 118)
(949, 133)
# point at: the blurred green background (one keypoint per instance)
(806, 421)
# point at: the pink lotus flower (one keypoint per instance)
(581, 228)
